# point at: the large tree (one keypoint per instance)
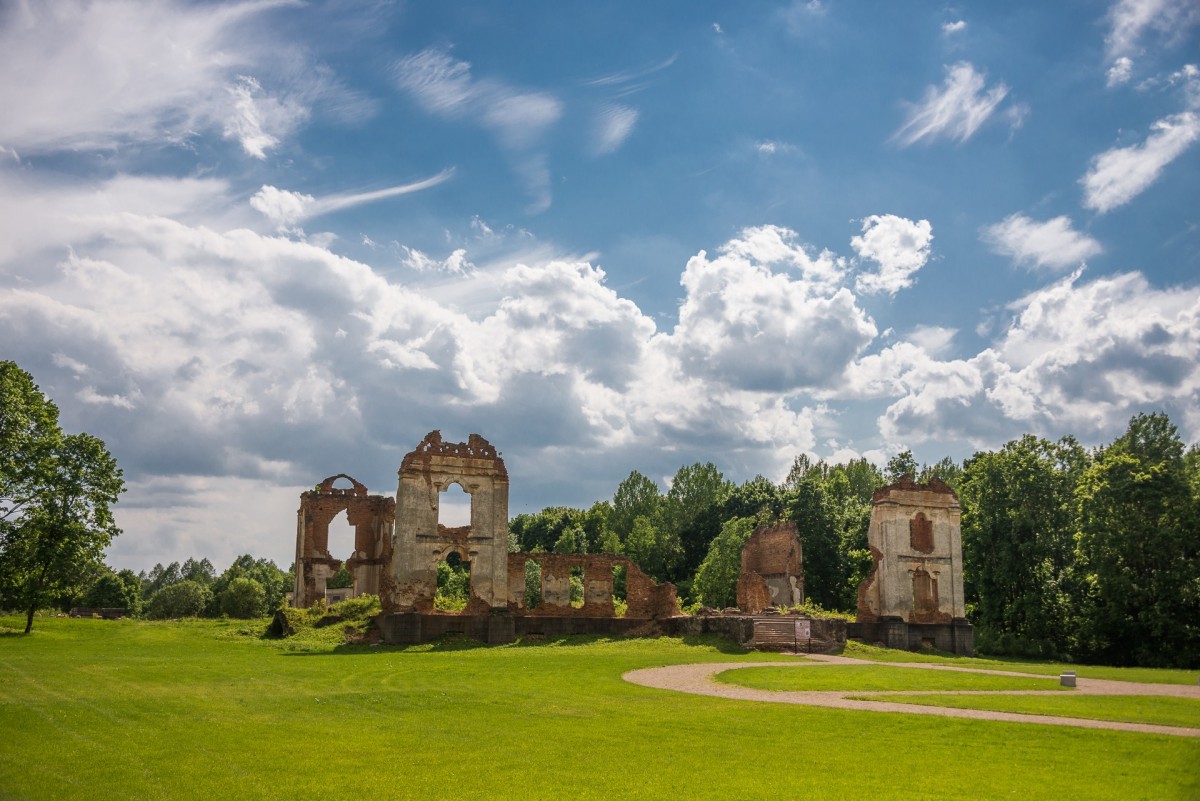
(691, 512)
(56, 494)
(1018, 543)
(1138, 550)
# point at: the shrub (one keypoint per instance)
(182, 599)
(244, 598)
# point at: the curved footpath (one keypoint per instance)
(699, 680)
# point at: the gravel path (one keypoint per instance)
(698, 679)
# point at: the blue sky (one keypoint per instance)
(254, 244)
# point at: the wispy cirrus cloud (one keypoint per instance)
(519, 118)
(1131, 21)
(1117, 176)
(1053, 244)
(612, 125)
(286, 208)
(954, 111)
(82, 75)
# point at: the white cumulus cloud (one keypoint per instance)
(1053, 244)
(900, 247)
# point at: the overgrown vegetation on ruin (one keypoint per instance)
(209, 709)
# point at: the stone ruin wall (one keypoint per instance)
(372, 517)
(645, 597)
(420, 542)
(772, 570)
(915, 539)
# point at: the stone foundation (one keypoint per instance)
(955, 637)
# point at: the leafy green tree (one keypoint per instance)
(1018, 543)
(946, 470)
(1138, 550)
(652, 549)
(56, 494)
(160, 577)
(274, 581)
(572, 540)
(111, 591)
(244, 598)
(900, 465)
(542, 530)
(716, 580)
(692, 513)
(636, 496)
(181, 599)
(200, 571)
(809, 507)
(757, 498)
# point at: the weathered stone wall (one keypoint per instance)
(371, 516)
(772, 572)
(915, 541)
(420, 542)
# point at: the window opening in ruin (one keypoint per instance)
(533, 584)
(620, 593)
(342, 482)
(454, 506)
(576, 582)
(920, 533)
(340, 545)
(453, 584)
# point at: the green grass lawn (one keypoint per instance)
(1152, 675)
(800, 678)
(1165, 711)
(128, 709)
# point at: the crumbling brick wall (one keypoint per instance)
(420, 542)
(772, 572)
(370, 515)
(645, 597)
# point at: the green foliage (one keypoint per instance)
(340, 580)
(275, 582)
(655, 550)
(56, 494)
(1138, 551)
(636, 496)
(716, 580)
(533, 583)
(691, 513)
(201, 572)
(900, 465)
(113, 591)
(453, 585)
(1017, 528)
(181, 599)
(243, 598)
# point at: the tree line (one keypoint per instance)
(1068, 552)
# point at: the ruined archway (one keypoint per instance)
(371, 517)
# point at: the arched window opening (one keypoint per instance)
(620, 590)
(453, 584)
(340, 545)
(533, 583)
(342, 482)
(454, 507)
(576, 582)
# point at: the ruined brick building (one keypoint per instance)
(913, 596)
